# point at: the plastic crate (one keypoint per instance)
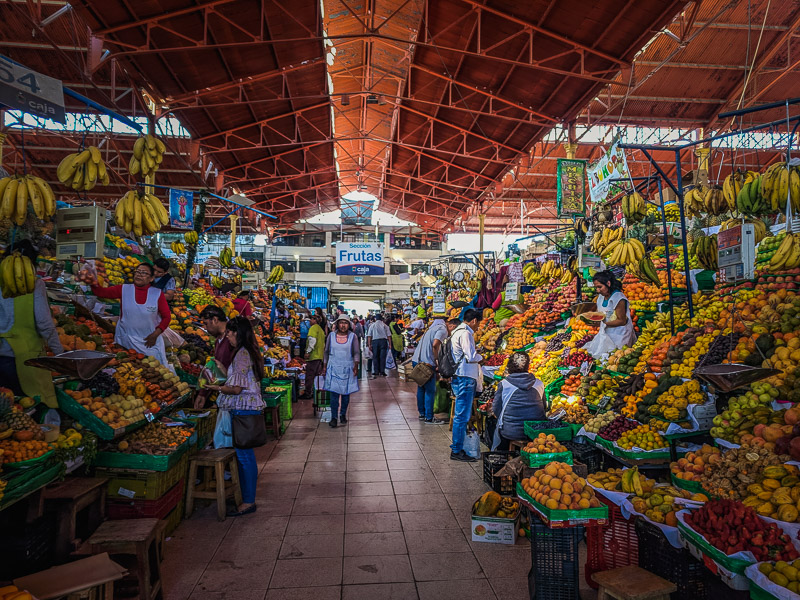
(611, 546)
(173, 519)
(561, 431)
(147, 462)
(492, 461)
(555, 569)
(677, 565)
(272, 399)
(586, 454)
(143, 485)
(203, 426)
(27, 547)
(141, 509)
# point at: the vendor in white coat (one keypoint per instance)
(145, 314)
(616, 330)
(341, 357)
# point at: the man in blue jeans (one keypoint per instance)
(427, 352)
(467, 380)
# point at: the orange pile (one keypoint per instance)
(693, 465)
(12, 451)
(544, 444)
(558, 488)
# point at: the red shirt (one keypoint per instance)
(115, 292)
(243, 307)
(223, 351)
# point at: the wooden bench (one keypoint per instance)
(632, 583)
(216, 461)
(74, 499)
(136, 538)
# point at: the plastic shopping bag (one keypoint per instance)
(223, 432)
(390, 364)
(472, 444)
(172, 339)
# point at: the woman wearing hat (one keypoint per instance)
(341, 358)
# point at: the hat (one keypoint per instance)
(343, 317)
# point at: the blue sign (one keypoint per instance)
(181, 209)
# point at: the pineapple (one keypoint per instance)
(695, 232)
(13, 419)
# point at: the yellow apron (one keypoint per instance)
(26, 343)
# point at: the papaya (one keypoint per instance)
(488, 504)
(770, 484)
(788, 513)
(774, 472)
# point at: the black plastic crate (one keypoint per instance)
(27, 547)
(677, 565)
(588, 455)
(492, 461)
(555, 567)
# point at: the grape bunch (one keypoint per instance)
(720, 348)
(102, 384)
(614, 430)
(583, 341)
(557, 342)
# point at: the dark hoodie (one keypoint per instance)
(526, 404)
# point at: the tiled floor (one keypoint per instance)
(374, 509)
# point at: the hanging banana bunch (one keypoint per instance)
(17, 191)
(732, 186)
(634, 207)
(178, 247)
(705, 249)
(581, 226)
(693, 205)
(17, 276)
(148, 152)
(646, 271)
(714, 201)
(240, 262)
(275, 275)
(226, 257)
(83, 170)
(602, 239)
(140, 214)
(780, 183)
(623, 252)
(190, 237)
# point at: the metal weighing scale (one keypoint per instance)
(736, 252)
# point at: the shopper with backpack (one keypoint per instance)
(460, 360)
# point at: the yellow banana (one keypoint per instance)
(22, 203)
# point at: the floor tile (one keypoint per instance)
(312, 546)
(510, 588)
(419, 502)
(366, 465)
(456, 590)
(443, 540)
(375, 488)
(311, 572)
(229, 595)
(428, 520)
(242, 549)
(446, 565)
(320, 490)
(374, 544)
(318, 506)
(421, 486)
(306, 593)
(314, 524)
(228, 575)
(367, 476)
(257, 524)
(376, 569)
(323, 477)
(370, 504)
(380, 591)
(372, 522)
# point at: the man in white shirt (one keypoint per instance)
(427, 352)
(378, 341)
(467, 380)
(417, 326)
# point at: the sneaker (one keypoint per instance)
(332, 423)
(435, 421)
(462, 456)
(343, 419)
(422, 417)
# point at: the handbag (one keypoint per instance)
(421, 373)
(249, 431)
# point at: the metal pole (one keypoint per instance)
(481, 219)
(669, 267)
(686, 269)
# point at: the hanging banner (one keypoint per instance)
(29, 91)
(365, 258)
(611, 166)
(181, 209)
(571, 178)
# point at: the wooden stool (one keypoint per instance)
(632, 583)
(517, 445)
(218, 460)
(75, 495)
(136, 537)
(275, 411)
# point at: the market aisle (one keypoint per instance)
(373, 509)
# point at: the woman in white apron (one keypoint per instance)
(140, 326)
(519, 398)
(341, 359)
(616, 330)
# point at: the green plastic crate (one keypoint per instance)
(146, 462)
(130, 484)
(562, 433)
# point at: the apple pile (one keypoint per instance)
(733, 527)
(576, 359)
(614, 430)
(789, 281)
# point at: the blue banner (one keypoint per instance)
(181, 209)
(354, 258)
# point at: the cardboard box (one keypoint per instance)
(494, 530)
(79, 576)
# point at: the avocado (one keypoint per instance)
(764, 342)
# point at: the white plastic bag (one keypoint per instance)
(472, 444)
(390, 364)
(223, 431)
(172, 339)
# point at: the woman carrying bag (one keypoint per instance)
(240, 396)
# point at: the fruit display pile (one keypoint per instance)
(557, 487)
(154, 438)
(544, 443)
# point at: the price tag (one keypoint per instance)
(149, 416)
(585, 368)
(603, 402)
(512, 292)
(126, 492)
(31, 92)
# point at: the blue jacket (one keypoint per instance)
(526, 404)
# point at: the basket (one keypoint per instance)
(586, 454)
(142, 485)
(561, 431)
(142, 509)
(147, 462)
(555, 569)
(492, 462)
(658, 556)
(611, 546)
